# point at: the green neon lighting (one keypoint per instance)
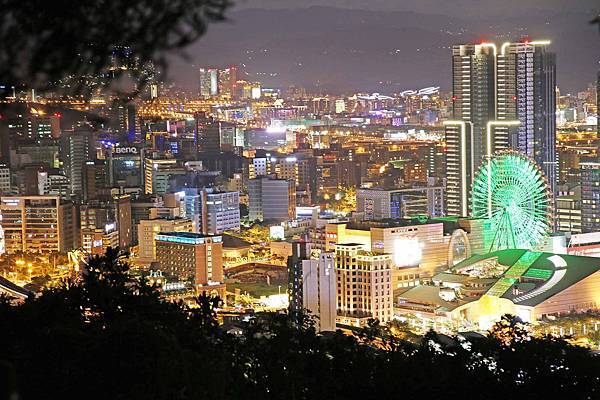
(536, 273)
(511, 192)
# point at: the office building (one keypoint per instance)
(300, 252)
(568, 212)
(285, 168)
(209, 137)
(501, 98)
(192, 199)
(157, 173)
(97, 241)
(124, 220)
(124, 120)
(94, 180)
(259, 166)
(228, 81)
(319, 292)
(125, 166)
(77, 147)
(364, 285)
(148, 229)
(38, 224)
(271, 199)
(52, 183)
(5, 180)
(193, 257)
(473, 105)
(222, 212)
(209, 81)
(590, 197)
(381, 203)
(526, 87)
(35, 126)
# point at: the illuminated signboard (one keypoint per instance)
(277, 232)
(125, 150)
(408, 251)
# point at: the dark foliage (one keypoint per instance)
(45, 41)
(110, 336)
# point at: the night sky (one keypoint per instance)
(341, 46)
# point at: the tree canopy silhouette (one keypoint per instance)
(45, 41)
(109, 335)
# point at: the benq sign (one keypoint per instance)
(125, 150)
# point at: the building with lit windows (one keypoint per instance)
(259, 166)
(228, 81)
(97, 241)
(38, 224)
(478, 291)
(473, 106)
(364, 285)
(285, 168)
(319, 292)
(300, 251)
(590, 197)
(77, 147)
(148, 229)
(271, 199)
(502, 97)
(36, 126)
(380, 203)
(192, 257)
(568, 212)
(209, 82)
(125, 166)
(222, 212)
(5, 181)
(526, 92)
(157, 173)
(419, 249)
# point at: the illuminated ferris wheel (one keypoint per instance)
(511, 191)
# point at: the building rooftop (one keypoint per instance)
(232, 242)
(530, 277)
(429, 295)
(186, 237)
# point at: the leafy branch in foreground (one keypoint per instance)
(45, 41)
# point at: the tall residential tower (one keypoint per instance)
(501, 98)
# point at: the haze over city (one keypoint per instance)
(346, 45)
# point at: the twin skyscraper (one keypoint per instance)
(503, 97)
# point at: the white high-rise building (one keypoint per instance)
(364, 285)
(222, 212)
(209, 82)
(319, 290)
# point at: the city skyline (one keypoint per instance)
(325, 200)
(381, 51)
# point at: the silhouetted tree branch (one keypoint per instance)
(45, 41)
